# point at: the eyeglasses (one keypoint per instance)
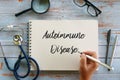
(91, 9)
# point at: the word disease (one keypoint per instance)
(60, 48)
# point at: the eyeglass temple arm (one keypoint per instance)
(93, 6)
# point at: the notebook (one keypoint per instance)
(56, 44)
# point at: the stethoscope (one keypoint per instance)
(18, 41)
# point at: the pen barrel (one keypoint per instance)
(105, 65)
(96, 60)
(114, 49)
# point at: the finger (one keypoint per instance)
(89, 61)
(91, 53)
(93, 66)
(83, 61)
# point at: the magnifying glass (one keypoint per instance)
(38, 6)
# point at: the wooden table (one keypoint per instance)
(61, 10)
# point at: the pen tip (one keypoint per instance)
(108, 69)
(111, 69)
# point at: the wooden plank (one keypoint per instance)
(101, 69)
(12, 51)
(22, 29)
(14, 6)
(108, 18)
(63, 9)
(103, 36)
(106, 77)
(10, 19)
(66, 77)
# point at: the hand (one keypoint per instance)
(87, 66)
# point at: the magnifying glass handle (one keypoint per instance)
(18, 14)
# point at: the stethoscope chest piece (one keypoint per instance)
(17, 39)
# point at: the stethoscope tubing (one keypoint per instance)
(17, 65)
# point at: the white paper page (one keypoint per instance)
(56, 44)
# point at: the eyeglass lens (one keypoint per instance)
(91, 9)
(80, 3)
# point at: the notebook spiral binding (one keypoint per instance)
(29, 38)
(29, 43)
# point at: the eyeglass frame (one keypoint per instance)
(88, 3)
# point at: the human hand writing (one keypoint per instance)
(87, 66)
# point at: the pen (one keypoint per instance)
(99, 62)
(113, 52)
(108, 43)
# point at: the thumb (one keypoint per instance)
(83, 63)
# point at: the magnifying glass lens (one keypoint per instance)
(40, 6)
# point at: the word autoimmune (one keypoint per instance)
(57, 35)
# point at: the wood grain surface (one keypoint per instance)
(60, 10)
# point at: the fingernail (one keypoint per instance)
(81, 55)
